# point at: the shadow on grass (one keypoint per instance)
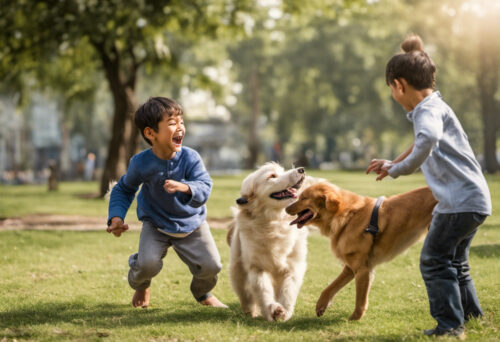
(101, 320)
(112, 316)
(486, 251)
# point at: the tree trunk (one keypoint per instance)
(487, 80)
(253, 148)
(123, 142)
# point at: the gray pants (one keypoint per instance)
(197, 250)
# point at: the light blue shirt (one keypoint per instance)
(443, 152)
(176, 213)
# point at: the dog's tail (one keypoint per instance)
(232, 225)
(230, 231)
(110, 188)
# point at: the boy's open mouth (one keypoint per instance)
(177, 140)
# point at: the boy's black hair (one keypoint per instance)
(414, 65)
(150, 113)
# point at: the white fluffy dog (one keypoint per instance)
(268, 256)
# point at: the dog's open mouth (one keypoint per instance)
(289, 192)
(303, 217)
(284, 194)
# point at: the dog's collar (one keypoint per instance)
(373, 226)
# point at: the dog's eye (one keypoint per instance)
(272, 176)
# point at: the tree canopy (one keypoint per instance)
(310, 75)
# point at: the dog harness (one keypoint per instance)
(373, 226)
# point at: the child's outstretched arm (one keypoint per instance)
(380, 166)
(121, 197)
(428, 127)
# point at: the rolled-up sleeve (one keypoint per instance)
(428, 128)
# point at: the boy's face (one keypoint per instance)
(170, 133)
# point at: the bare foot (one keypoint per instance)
(141, 298)
(213, 301)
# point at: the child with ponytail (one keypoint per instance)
(441, 149)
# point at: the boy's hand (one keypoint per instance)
(384, 170)
(380, 167)
(117, 227)
(172, 186)
(375, 165)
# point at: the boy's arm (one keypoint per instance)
(380, 166)
(404, 154)
(429, 128)
(123, 193)
(199, 182)
(377, 164)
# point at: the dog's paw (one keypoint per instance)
(321, 306)
(277, 312)
(251, 310)
(356, 315)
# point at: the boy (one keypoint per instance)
(171, 204)
(441, 149)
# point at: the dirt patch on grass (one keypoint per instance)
(74, 222)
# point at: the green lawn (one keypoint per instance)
(68, 285)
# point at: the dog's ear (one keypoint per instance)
(242, 200)
(331, 202)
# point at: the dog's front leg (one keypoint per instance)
(326, 296)
(262, 286)
(289, 290)
(238, 277)
(364, 278)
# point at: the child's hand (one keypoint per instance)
(117, 227)
(172, 186)
(376, 166)
(384, 170)
(380, 167)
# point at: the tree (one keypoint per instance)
(488, 83)
(123, 35)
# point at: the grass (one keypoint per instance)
(68, 285)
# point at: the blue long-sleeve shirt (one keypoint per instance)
(443, 152)
(173, 213)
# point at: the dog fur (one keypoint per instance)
(343, 216)
(268, 256)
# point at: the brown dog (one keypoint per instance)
(343, 216)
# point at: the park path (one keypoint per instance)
(73, 222)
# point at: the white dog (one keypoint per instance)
(268, 256)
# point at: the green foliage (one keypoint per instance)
(311, 73)
(322, 72)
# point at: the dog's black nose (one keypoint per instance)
(301, 170)
(242, 200)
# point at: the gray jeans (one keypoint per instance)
(197, 250)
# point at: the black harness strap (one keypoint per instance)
(373, 226)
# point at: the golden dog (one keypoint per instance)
(343, 216)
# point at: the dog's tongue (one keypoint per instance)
(293, 192)
(296, 221)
